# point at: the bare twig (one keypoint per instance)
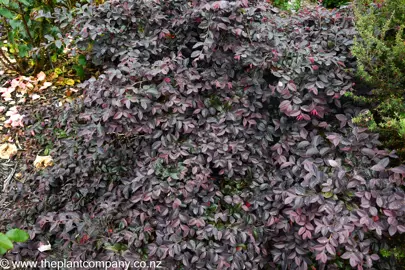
(27, 29)
(17, 142)
(8, 180)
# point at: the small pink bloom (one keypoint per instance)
(237, 57)
(300, 117)
(311, 59)
(315, 67)
(314, 112)
(167, 80)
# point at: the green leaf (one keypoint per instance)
(23, 50)
(5, 242)
(327, 194)
(54, 58)
(49, 38)
(11, 39)
(25, 2)
(58, 44)
(255, 234)
(17, 235)
(79, 71)
(16, 24)
(2, 251)
(153, 91)
(5, 2)
(6, 13)
(116, 248)
(82, 60)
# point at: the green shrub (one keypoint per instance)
(398, 253)
(32, 39)
(380, 53)
(387, 118)
(380, 47)
(334, 3)
(287, 5)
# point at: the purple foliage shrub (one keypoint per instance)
(216, 139)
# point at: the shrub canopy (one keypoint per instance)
(216, 139)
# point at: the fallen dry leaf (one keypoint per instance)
(15, 119)
(70, 82)
(42, 162)
(44, 247)
(7, 150)
(35, 96)
(41, 76)
(46, 85)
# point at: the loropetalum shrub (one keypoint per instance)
(216, 139)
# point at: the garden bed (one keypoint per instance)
(215, 135)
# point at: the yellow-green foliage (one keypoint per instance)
(32, 39)
(390, 125)
(380, 47)
(380, 53)
(365, 119)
